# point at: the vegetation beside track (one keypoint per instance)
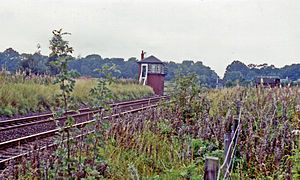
(172, 142)
(20, 94)
(122, 90)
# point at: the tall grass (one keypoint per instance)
(21, 98)
(121, 90)
(20, 94)
(145, 147)
(81, 90)
(130, 91)
(21, 77)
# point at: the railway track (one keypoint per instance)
(16, 128)
(14, 149)
(31, 120)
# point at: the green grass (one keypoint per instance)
(120, 90)
(130, 91)
(19, 97)
(159, 162)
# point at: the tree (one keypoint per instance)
(32, 63)
(229, 83)
(53, 70)
(234, 76)
(236, 66)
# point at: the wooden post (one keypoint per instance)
(235, 123)
(234, 127)
(211, 168)
(227, 141)
(238, 107)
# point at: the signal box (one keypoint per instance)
(152, 72)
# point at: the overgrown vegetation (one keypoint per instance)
(172, 141)
(20, 94)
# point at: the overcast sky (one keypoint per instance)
(215, 32)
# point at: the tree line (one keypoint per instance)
(39, 64)
(236, 72)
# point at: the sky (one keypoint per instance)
(215, 32)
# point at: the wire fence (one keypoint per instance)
(212, 169)
(230, 154)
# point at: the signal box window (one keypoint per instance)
(144, 71)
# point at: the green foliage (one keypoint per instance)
(234, 76)
(12, 61)
(296, 156)
(32, 63)
(205, 74)
(245, 74)
(128, 69)
(7, 112)
(70, 165)
(185, 95)
(101, 92)
(229, 83)
(26, 97)
(65, 79)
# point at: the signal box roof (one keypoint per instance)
(151, 60)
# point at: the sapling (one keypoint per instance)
(101, 94)
(61, 56)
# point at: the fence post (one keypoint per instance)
(211, 168)
(238, 107)
(227, 141)
(235, 123)
(234, 127)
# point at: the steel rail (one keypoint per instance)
(45, 118)
(31, 123)
(24, 154)
(51, 133)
